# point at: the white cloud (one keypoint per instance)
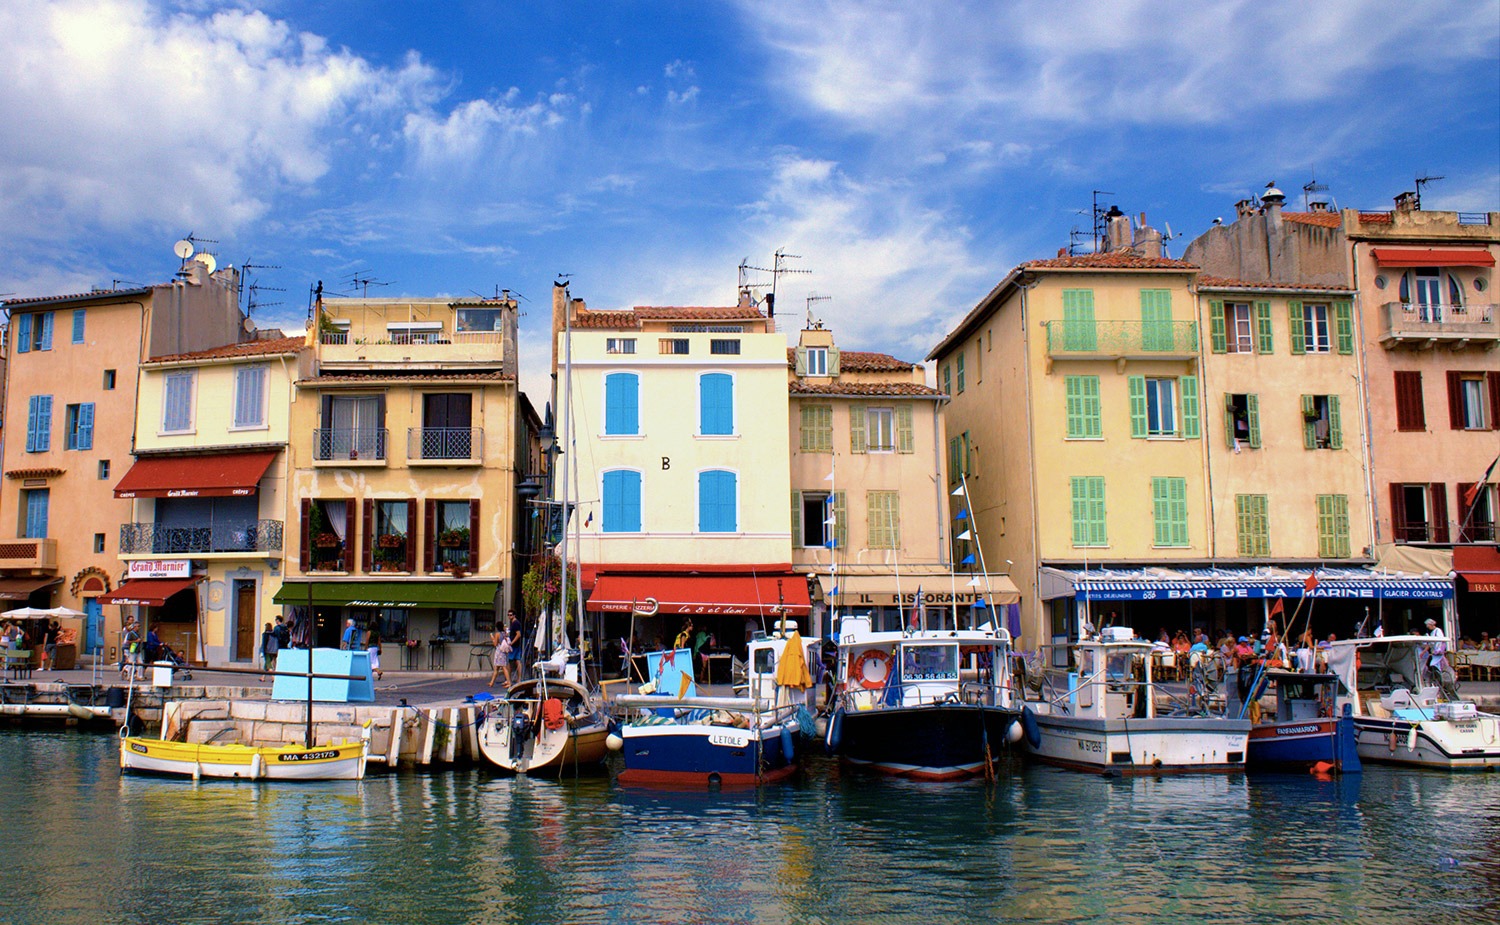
(686, 96)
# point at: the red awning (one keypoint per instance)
(1479, 566)
(153, 592)
(217, 476)
(1433, 257)
(19, 589)
(749, 595)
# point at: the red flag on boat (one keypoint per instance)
(1310, 583)
(1276, 607)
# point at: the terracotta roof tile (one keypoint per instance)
(42, 473)
(1221, 282)
(96, 295)
(803, 387)
(860, 361)
(401, 376)
(1114, 260)
(249, 348)
(625, 320)
(631, 318)
(1376, 218)
(1324, 219)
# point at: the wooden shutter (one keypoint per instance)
(1455, 400)
(1410, 415)
(346, 561)
(1343, 327)
(1341, 526)
(857, 443)
(1309, 423)
(1080, 510)
(411, 535)
(1190, 407)
(429, 536)
(800, 363)
(1493, 380)
(797, 519)
(1398, 513)
(1263, 339)
(1229, 420)
(1079, 330)
(1438, 491)
(474, 535)
(367, 535)
(1137, 406)
(840, 520)
(1161, 511)
(833, 361)
(45, 320)
(905, 441)
(1296, 322)
(1252, 408)
(1217, 337)
(304, 551)
(1335, 424)
(23, 333)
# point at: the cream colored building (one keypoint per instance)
(203, 548)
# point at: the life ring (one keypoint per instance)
(647, 609)
(857, 671)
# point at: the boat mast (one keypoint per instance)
(566, 423)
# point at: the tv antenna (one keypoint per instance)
(1101, 218)
(251, 287)
(811, 298)
(778, 268)
(362, 281)
(1310, 187)
(1421, 182)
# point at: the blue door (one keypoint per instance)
(93, 625)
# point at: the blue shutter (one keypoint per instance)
(36, 513)
(621, 403)
(32, 405)
(716, 403)
(622, 501)
(39, 424)
(23, 333)
(78, 322)
(45, 320)
(716, 501)
(86, 426)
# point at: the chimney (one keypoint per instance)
(1147, 242)
(559, 318)
(1244, 207)
(1117, 232)
(1317, 205)
(1406, 202)
(1271, 201)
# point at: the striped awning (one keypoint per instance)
(1231, 584)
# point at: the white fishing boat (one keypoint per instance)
(1406, 705)
(545, 725)
(334, 761)
(1105, 712)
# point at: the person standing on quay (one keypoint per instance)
(350, 639)
(513, 657)
(499, 652)
(269, 647)
(372, 645)
(49, 645)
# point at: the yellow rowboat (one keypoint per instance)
(342, 761)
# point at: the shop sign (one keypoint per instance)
(161, 568)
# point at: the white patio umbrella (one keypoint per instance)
(64, 612)
(27, 613)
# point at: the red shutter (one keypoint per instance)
(1410, 415)
(1398, 514)
(429, 537)
(1439, 493)
(304, 553)
(1494, 380)
(411, 535)
(349, 535)
(1455, 400)
(367, 547)
(474, 535)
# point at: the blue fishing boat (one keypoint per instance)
(1308, 732)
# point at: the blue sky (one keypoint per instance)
(911, 153)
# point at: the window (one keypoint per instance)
(78, 325)
(33, 331)
(80, 425)
(250, 396)
(1472, 400)
(447, 426)
(817, 361)
(716, 404)
(724, 346)
(39, 424)
(1242, 421)
(1310, 327)
(947, 379)
(1321, 425)
(177, 402)
(353, 428)
(1410, 415)
(1423, 290)
(1156, 319)
(419, 332)
(718, 502)
(882, 430)
(1315, 329)
(1154, 410)
(619, 345)
(390, 545)
(479, 319)
(34, 505)
(326, 541)
(1240, 327)
(98, 542)
(456, 624)
(1082, 398)
(1419, 513)
(883, 519)
(699, 328)
(1079, 330)
(1477, 510)
(819, 519)
(622, 501)
(1088, 511)
(958, 371)
(622, 402)
(1169, 511)
(109, 380)
(673, 345)
(1161, 407)
(1333, 526)
(817, 429)
(1239, 338)
(23, 324)
(1252, 527)
(453, 533)
(958, 457)
(103, 469)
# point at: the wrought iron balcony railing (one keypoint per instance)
(351, 444)
(1414, 321)
(156, 539)
(1121, 338)
(444, 443)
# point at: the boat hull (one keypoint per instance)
(513, 736)
(940, 742)
(1451, 745)
(700, 754)
(1299, 745)
(1141, 746)
(291, 762)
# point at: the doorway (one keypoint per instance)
(244, 620)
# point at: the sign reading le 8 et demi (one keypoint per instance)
(161, 568)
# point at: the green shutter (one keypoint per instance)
(947, 380)
(1092, 409)
(833, 361)
(1335, 426)
(840, 520)
(952, 460)
(1098, 535)
(1079, 332)
(958, 371)
(1137, 406)
(1190, 407)
(1088, 511)
(857, 442)
(1229, 420)
(1178, 489)
(1156, 319)
(1217, 336)
(1298, 326)
(1080, 510)
(905, 442)
(1073, 405)
(1341, 526)
(801, 367)
(1343, 325)
(796, 519)
(1169, 511)
(965, 464)
(1309, 423)
(1252, 405)
(1160, 512)
(805, 438)
(1263, 340)
(1252, 525)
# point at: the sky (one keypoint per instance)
(908, 154)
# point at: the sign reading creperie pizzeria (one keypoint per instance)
(161, 568)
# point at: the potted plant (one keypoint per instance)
(326, 540)
(390, 541)
(454, 539)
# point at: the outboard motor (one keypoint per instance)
(520, 731)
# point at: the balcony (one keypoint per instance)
(1412, 324)
(1477, 531)
(444, 446)
(36, 554)
(346, 446)
(1122, 340)
(414, 348)
(150, 539)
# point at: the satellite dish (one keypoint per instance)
(207, 260)
(183, 249)
(249, 326)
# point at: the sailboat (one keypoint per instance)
(556, 719)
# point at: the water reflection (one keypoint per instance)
(1040, 845)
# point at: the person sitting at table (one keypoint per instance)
(1469, 644)
(702, 641)
(1180, 643)
(1486, 644)
(685, 637)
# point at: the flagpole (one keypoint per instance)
(1472, 495)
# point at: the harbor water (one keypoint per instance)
(84, 845)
